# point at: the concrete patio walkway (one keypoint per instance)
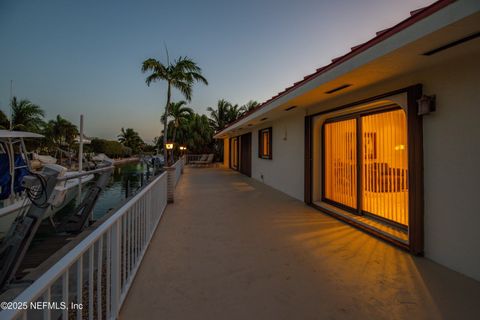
(232, 248)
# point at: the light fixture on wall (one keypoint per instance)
(426, 104)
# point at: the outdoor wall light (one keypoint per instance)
(169, 146)
(426, 105)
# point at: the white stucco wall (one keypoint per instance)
(452, 166)
(285, 171)
(451, 158)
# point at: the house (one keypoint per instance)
(385, 137)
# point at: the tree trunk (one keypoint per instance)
(165, 122)
(173, 139)
(174, 133)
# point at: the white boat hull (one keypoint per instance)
(65, 192)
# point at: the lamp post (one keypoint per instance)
(183, 151)
(169, 146)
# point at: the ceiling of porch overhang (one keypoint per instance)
(401, 61)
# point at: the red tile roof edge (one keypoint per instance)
(415, 16)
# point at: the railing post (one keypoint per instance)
(170, 183)
(115, 264)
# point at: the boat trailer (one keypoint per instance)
(39, 188)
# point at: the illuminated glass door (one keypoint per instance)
(385, 166)
(366, 165)
(341, 162)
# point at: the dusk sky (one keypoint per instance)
(73, 57)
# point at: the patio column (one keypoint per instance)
(170, 183)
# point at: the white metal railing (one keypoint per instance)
(179, 168)
(192, 157)
(97, 273)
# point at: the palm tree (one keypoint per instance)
(181, 75)
(226, 113)
(223, 115)
(4, 122)
(131, 139)
(60, 131)
(249, 106)
(180, 114)
(196, 134)
(234, 112)
(26, 116)
(220, 117)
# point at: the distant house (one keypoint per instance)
(385, 137)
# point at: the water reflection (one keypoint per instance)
(126, 180)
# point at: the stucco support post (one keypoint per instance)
(170, 183)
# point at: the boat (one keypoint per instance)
(153, 160)
(14, 165)
(38, 160)
(45, 159)
(100, 157)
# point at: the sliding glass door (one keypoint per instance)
(341, 162)
(385, 166)
(366, 164)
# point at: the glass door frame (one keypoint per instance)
(357, 116)
(234, 145)
(416, 203)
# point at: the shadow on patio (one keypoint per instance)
(232, 248)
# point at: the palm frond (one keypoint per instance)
(26, 115)
(184, 87)
(4, 122)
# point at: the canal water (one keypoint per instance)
(126, 180)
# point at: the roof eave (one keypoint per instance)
(351, 60)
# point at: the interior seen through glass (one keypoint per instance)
(266, 142)
(384, 164)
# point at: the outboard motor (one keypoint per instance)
(39, 188)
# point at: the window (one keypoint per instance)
(366, 164)
(265, 143)
(234, 153)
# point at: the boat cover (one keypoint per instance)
(5, 177)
